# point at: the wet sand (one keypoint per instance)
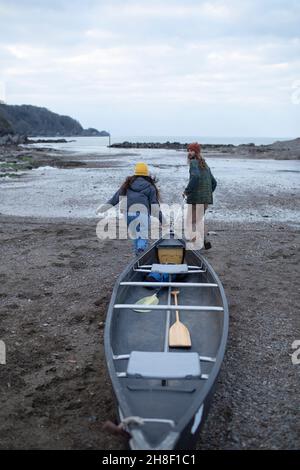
(56, 279)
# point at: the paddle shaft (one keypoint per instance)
(175, 292)
(157, 291)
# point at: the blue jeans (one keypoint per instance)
(139, 232)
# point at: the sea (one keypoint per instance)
(249, 190)
(94, 144)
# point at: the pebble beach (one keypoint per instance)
(56, 278)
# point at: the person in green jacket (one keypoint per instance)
(201, 184)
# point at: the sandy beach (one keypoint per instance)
(56, 279)
(56, 282)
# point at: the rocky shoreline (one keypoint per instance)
(16, 157)
(286, 150)
(17, 139)
(13, 139)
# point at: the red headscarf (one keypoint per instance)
(194, 147)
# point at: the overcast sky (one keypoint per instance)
(210, 68)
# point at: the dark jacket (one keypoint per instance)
(141, 191)
(201, 185)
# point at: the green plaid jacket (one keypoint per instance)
(201, 185)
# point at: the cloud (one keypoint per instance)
(212, 10)
(97, 33)
(141, 55)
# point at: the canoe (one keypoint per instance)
(163, 394)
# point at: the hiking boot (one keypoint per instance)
(207, 245)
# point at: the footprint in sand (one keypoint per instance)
(29, 295)
(62, 232)
(72, 295)
(63, 256)
(12, 306)
(48, 294)
(76, 265)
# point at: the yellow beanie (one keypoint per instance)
(141, 169)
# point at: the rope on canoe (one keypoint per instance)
(132, 420)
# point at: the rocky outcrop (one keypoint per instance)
(35, 121)
(48, 141)
(91, 132)
(287, 144)
(285, 150)
(13, 139)
(150, 145)
(165, 145)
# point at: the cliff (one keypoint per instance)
(35, 121)
(5, 127)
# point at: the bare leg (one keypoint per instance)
(207, 244)
(194, 226)
(197, 224)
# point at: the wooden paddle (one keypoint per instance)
(179, 335)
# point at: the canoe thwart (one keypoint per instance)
(162, 388)
(167, 284)
(213, 308)
(190, 267)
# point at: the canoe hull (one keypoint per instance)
(174, 410)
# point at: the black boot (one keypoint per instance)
(207, 244)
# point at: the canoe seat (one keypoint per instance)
(170, 268)
(163, 365)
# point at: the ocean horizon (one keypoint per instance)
(95, 144)
(197, 138)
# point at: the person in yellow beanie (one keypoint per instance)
(140, 189)
(141, 169)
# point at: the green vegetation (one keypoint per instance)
(27, 158)
(9, 165)
(22, 163)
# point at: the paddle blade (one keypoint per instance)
(149, 300)
(179, 336)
